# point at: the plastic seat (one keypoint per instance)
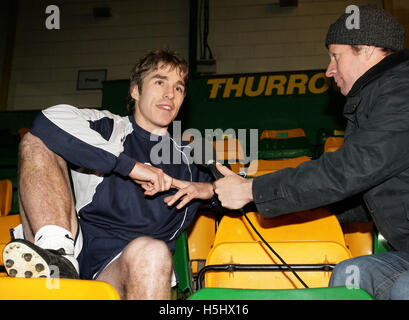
(55, 289)
(307, 237)
(293, 252)
(48, 289)
(323, 134)
(231, 151)
(260, 167)
(280, 144)
(6, 193)
(333, 144)
(311, 225)
(200, 233)
(359, 237)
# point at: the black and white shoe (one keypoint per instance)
(24, 259)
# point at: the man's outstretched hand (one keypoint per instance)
(189, 191)
(233, 191)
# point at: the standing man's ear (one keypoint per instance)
(369, 50)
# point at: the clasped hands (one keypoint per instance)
(233, 191)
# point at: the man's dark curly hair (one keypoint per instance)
(150, 62)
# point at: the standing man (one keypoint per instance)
(371, 68)
(120, 230)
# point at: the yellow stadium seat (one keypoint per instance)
(200, 236)
(230, 150)
(359, 237)
(293, 252)
(333, 144)
(6, 193)
(306, 237)
(283, 134)
(311, 225)
(48, 289)
(260, 167)
(55, 289)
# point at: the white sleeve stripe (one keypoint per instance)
(74, 121)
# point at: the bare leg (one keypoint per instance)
(143, 271)
(44, 189)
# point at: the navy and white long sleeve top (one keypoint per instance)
(102, 149)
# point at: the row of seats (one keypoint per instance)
(313, 237)
(214, 249)
(285, 147)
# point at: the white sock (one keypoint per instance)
(55, 237)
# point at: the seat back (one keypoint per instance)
(6, 192)
(55, 289)
(310, 225)
(333, 144)
(231, 151)
(359, 238)
(200, 234)
(293, 252)
(228, 149)
(47, 289)
(307, 237)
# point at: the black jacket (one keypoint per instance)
(372, 167)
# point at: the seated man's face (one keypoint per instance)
(163, 91)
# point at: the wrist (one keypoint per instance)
(248, 190)
(207, 191)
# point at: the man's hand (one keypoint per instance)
(151, 179)
(233, 191)
(189, 191)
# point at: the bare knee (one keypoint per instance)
(146, 269)
(146, 260)
(30, 143)
(32, 149)
(148, 254)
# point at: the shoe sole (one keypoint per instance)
(22, 261)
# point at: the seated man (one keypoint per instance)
(121, 229)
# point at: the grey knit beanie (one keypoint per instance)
(376, 28)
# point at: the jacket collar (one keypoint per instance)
(378, 69)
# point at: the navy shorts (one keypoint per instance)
(97, 251)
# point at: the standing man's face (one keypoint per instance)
(162, 94)
(346, 66)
